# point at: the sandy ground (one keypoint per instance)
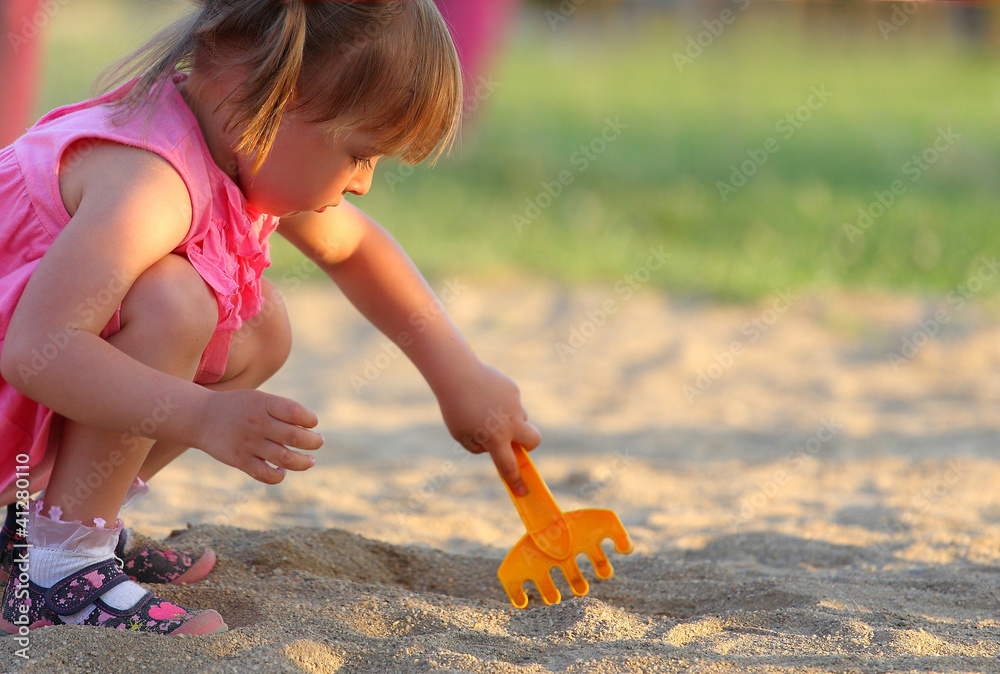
(799, 500)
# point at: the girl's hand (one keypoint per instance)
(485, 415)
(252, 431)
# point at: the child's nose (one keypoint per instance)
(360, 183)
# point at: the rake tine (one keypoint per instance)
(516, 594)
(623, 543)
(602, 566)
(612, 528)
(577, 583)
(550, 593)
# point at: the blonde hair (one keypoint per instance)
(387, 67)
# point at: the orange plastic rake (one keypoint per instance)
(554, 539)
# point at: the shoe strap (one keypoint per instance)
(74, 592)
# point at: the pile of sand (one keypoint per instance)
(814, 506)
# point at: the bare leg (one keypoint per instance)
(168, 316)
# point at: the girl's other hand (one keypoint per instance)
(252, 430)
(485, 415)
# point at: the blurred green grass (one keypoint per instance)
(656, 185)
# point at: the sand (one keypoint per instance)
(798, 500)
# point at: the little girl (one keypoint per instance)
(133, 234)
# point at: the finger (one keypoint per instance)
(506, 463)
(282, 457)
(527, 436)
(290, 412)
(293, 436)
(262, 471)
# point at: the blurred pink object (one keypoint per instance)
(478, 28)
(19, 64)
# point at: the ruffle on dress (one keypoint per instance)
(231, 255)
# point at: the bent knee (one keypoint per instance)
(173, 302)
(262, 345)
(274, 338)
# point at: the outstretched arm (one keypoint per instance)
(481, 407)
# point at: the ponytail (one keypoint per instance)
(274, 60)
(151, 65)
(275, 63)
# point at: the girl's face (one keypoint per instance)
(308, 170)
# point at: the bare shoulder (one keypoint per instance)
(130, 209)
(124, 182)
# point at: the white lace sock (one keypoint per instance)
(61, 548)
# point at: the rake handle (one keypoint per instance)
(542, 518)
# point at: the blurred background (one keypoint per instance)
(795, 415)
(762, 145)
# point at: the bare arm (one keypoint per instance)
(481, 407)
(131, 210)
(134, 210)
(382, 282)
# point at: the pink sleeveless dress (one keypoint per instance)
(227, 243)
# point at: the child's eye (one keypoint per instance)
(363, 162)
